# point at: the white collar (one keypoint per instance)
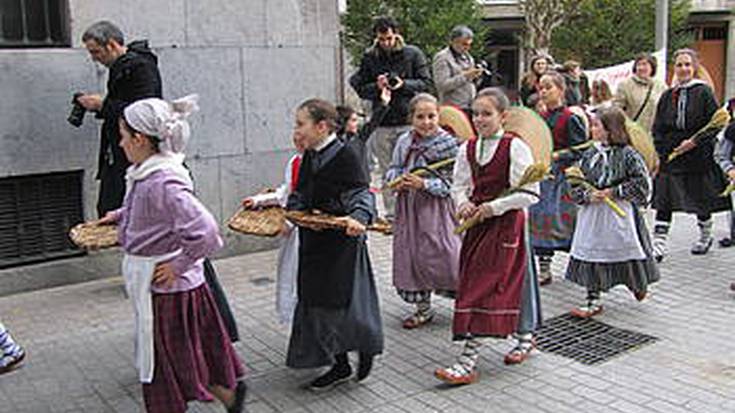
(160, 161)
(690, 83)
(331, 138)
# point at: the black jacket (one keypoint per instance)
(406, 61)
(700, 106)
(133, 76)
(331, 182)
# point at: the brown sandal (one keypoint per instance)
(417, 319)
(588, 311)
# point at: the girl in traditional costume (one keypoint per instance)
(337, 309)
(288, 254)
(609, 249)
(425, 247)
(692, 181)
(553, 217)
(494, 258)
(183, 351)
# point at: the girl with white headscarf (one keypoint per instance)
(183, 351)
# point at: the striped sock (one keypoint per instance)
(525, 341)
(702, 245)
(544, 264)
(424, 307)
(470, 354)
(8, 346)
(660, 238)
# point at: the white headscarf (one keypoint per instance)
(167, 121)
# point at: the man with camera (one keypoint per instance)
(403, 68)
(133, 76)
(455, 73)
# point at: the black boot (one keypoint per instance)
(339, 373)
(366, 364)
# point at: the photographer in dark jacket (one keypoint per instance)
(133, 76)
(404, 69)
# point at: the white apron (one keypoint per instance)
(286, 284)
(138, 273)
(603, 236)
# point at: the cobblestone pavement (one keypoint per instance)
(80, 349)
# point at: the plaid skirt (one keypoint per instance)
(192, 351)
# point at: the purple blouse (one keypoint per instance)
(159, 216)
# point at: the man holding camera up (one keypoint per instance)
(403, 68)
(133, 76)
(455, 72)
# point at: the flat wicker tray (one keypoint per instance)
(265, 222)
(320, 221)
(90, 235)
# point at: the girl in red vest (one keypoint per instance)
(493, 259)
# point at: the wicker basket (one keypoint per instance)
(265, 222)
(319, 221)
(90, 235)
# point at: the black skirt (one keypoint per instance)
(696, 193)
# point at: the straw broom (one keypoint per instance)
(719, 120)
(536, 172)
(729, 190)
(556, 154)
(575, 176)
(421, 172)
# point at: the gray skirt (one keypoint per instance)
(318, 334)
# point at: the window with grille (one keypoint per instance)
(34, 23)
(36, 213)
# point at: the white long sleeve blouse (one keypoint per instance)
(521, 158)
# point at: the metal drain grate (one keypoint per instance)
(586, 340)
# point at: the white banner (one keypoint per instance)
(613, 75)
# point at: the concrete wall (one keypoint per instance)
(251, 62)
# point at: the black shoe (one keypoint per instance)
(726, 242)
(339, 373)
(366, 364)
(238, 403)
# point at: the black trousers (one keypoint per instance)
(112, 191)
(220, 298)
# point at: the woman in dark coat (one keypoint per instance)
(337, 308)
(691, 182)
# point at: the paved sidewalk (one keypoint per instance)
(80, 348)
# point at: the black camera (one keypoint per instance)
(76, 117)
(393, 80)
(481, 64)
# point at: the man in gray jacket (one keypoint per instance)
(455, 73)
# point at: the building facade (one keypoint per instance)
(251, 62)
